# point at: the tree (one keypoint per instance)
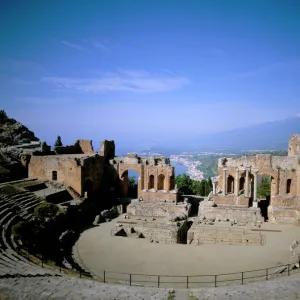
(264, 187)
(3, 117)
(132, 187)
(58, 142)
(46, 210)
(131, 182)
(184, 184)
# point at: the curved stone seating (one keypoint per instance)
(12, 209)
(74, 288)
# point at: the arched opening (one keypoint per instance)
(230, 184)
(172, 182)
(130, 184)
(151, 182)
(288, 186)
(54, 175)
(161, 182)
(242, 183)
(264, 194)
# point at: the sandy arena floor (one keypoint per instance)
(98, 251)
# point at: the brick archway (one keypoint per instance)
(123, 177)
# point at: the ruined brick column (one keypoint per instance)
(237, 182)
(224, 181)
(255, 188)
(247, 183)
(214, 182)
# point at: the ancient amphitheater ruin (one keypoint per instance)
(179, 236)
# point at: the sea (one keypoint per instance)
(179, 169)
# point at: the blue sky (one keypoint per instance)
(148, 72)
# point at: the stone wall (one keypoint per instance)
(259, 161)
(158, 234)
(72, 149)
(86, 146)
(198, 235)
(155, 173)
(162, 196)
(155, 209)
(68, 170)
(107, 149)
(71, 170)
(294, 145)
(234, 213)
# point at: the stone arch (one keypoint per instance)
(123, 176)
(54, 175)
(161, 182)
(230, 184)
(151, 182)
(242, 183)
(288, 186)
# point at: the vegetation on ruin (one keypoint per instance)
(41, 233)
(188, 186)
(3, 117)
(58, 142)
(264, 187)
(132, 187)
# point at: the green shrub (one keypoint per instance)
(46, 210)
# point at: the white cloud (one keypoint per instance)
(100, 46)
(42, 100)
(123, 80)
(73, 45)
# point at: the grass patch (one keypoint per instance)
(171, 295)
(9, 190)
(28, 183)
(192, 297)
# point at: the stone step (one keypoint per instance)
(5, 211)
(5, 205)
(23, 201)
(30, 202)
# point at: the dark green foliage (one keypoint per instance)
(9, 190)
(3, 117)
(46, 210)
(58, 142)
(184, 184)
(188, 186)
(41, 234)
(132, 187)
(131, 181)
(264, 187)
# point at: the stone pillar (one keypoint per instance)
(214, 182)
(237, 182)
(224, 182)
(139, 187)
(255, 189)
(247, 183)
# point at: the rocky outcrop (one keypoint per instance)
(17, 143)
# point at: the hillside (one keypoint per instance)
(15, 140)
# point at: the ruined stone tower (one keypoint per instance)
(294, 145)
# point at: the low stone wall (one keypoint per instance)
(237, 214)
(155, 209)
(283, 215)
(159, 196)
(199, 234)
(158, 234)
(220, 199)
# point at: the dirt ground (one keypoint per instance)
(97, 250)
